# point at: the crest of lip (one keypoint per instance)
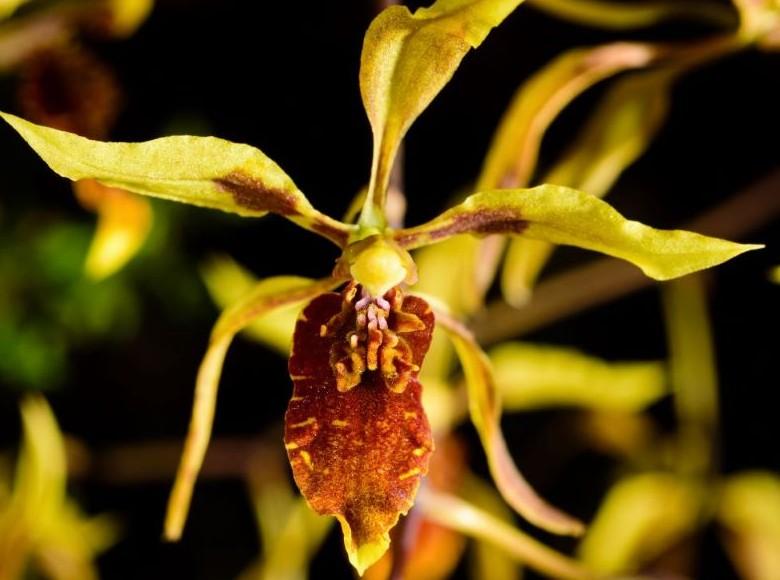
(358, 453)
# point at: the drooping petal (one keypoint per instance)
(749, 510)
(266, 296)
(532, 376)
(407, 59)
(228, 282)
(359, 453)
(124, 221)
(642, 516)
(618, 132)
(627, 15)
(201, 171)
(485, 409)
(566, 216)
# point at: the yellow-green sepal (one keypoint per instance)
(567, 216)
(407, 59)
(618, 132)
(202, 171)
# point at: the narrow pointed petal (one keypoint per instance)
(357, 454)
(266, 296)
(485, 409)
(228, 282)
(407, 59)
(566, 216)
(201, 171)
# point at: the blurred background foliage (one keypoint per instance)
(117, 354)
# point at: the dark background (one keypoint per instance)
(283, 76)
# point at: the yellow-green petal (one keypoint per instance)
(620, 15)
(202, 171)
(566, 216)
(407, 59)
(485, 411)
(619, 131)
(266, 296)
(531, 377)
(749, 510)
(228, 282)
(641, 516)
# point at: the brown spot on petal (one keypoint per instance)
(253, 194)
(480, 222)
(373, 445)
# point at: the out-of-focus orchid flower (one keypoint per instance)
(41, 529)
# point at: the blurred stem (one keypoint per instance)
(607, 279)
(693, 372)
(153, 461)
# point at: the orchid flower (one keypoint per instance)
(357, 436)
(40, 527)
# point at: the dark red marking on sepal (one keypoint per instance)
(359, 454)
(253, 194)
